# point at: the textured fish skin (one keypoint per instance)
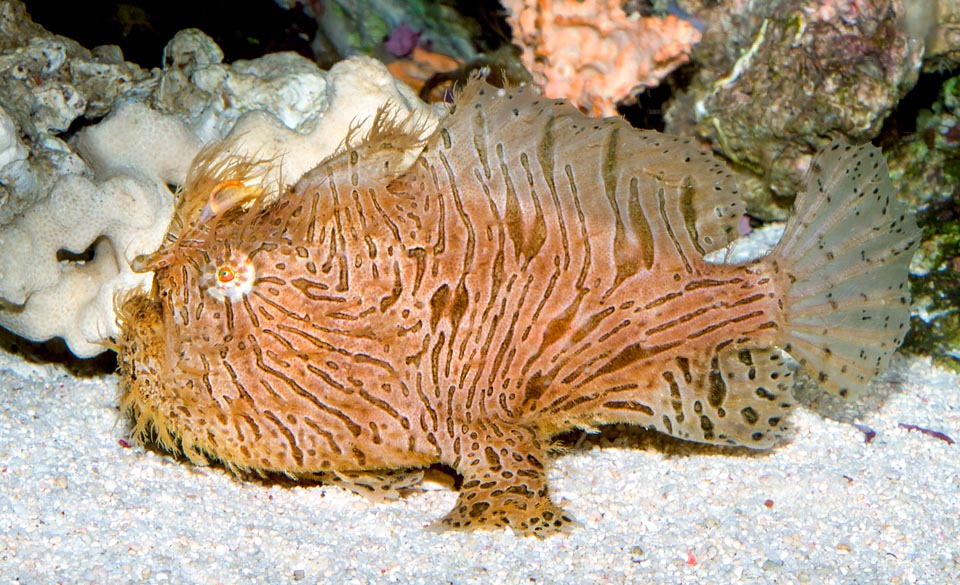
(535, 271)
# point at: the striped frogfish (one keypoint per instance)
(534, 271)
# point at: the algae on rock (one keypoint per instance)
(925, 166)
(777, 80)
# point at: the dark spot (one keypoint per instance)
(764, 393)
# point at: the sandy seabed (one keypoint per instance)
(77, 505)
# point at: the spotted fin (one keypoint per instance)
(505, 483)
(737, 395)
(376, 486)
(755, 386)
(846, 255)
(741, 399)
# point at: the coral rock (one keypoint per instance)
(778, 79)
(939, 23)
(593, 53)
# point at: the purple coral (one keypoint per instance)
(402, 41)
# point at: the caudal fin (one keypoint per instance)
(846, 253)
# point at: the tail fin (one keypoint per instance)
(846, 253)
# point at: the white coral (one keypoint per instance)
(108, 192)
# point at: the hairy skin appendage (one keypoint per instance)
(533, 272)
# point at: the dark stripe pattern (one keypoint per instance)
(533, 271)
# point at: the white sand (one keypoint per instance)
(77, 506)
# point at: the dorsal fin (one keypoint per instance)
(704, 198)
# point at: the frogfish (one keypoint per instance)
(533, 272)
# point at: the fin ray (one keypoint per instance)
(847, 252)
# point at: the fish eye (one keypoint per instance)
(225, 275)
(229, 278)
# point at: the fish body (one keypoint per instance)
(533, 272)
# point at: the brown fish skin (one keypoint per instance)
(535, 271)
